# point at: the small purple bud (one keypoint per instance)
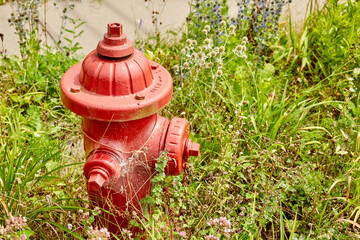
(140, 23)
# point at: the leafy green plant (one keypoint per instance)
(328, 48)
(35, 127)
(257, 20)
(24, 20)
(27, 162)
(161, 209)
(279, 133)
(270, 137)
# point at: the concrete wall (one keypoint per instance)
(130, 13)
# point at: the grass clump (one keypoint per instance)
(279, 137)
(276, 113)
(40, 154)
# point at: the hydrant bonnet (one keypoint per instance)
(116, 82)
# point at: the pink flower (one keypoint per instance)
(182, 234)
(211, 237)
(224, 222)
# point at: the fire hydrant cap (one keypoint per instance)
(116, 82)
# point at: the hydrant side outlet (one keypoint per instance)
(117, 91)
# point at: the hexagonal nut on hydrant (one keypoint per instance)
(192, 149)
(96, 181)
(114, 30)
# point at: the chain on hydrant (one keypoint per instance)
(117, 91)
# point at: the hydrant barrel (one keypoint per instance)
(117, 91)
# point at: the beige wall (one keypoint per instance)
(129, 12)
(300, 9)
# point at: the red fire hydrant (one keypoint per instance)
(118, 93)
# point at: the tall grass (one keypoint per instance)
(277, 118)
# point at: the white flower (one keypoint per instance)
(207, 41)
(186, 65)
(356, 71)
(70, 226)
(222, 49)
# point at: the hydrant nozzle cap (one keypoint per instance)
(115, 43)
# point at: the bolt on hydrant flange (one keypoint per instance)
(117, 91)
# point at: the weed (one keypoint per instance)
(15, 228)
(279, 133)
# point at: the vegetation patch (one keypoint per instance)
(276, 113)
